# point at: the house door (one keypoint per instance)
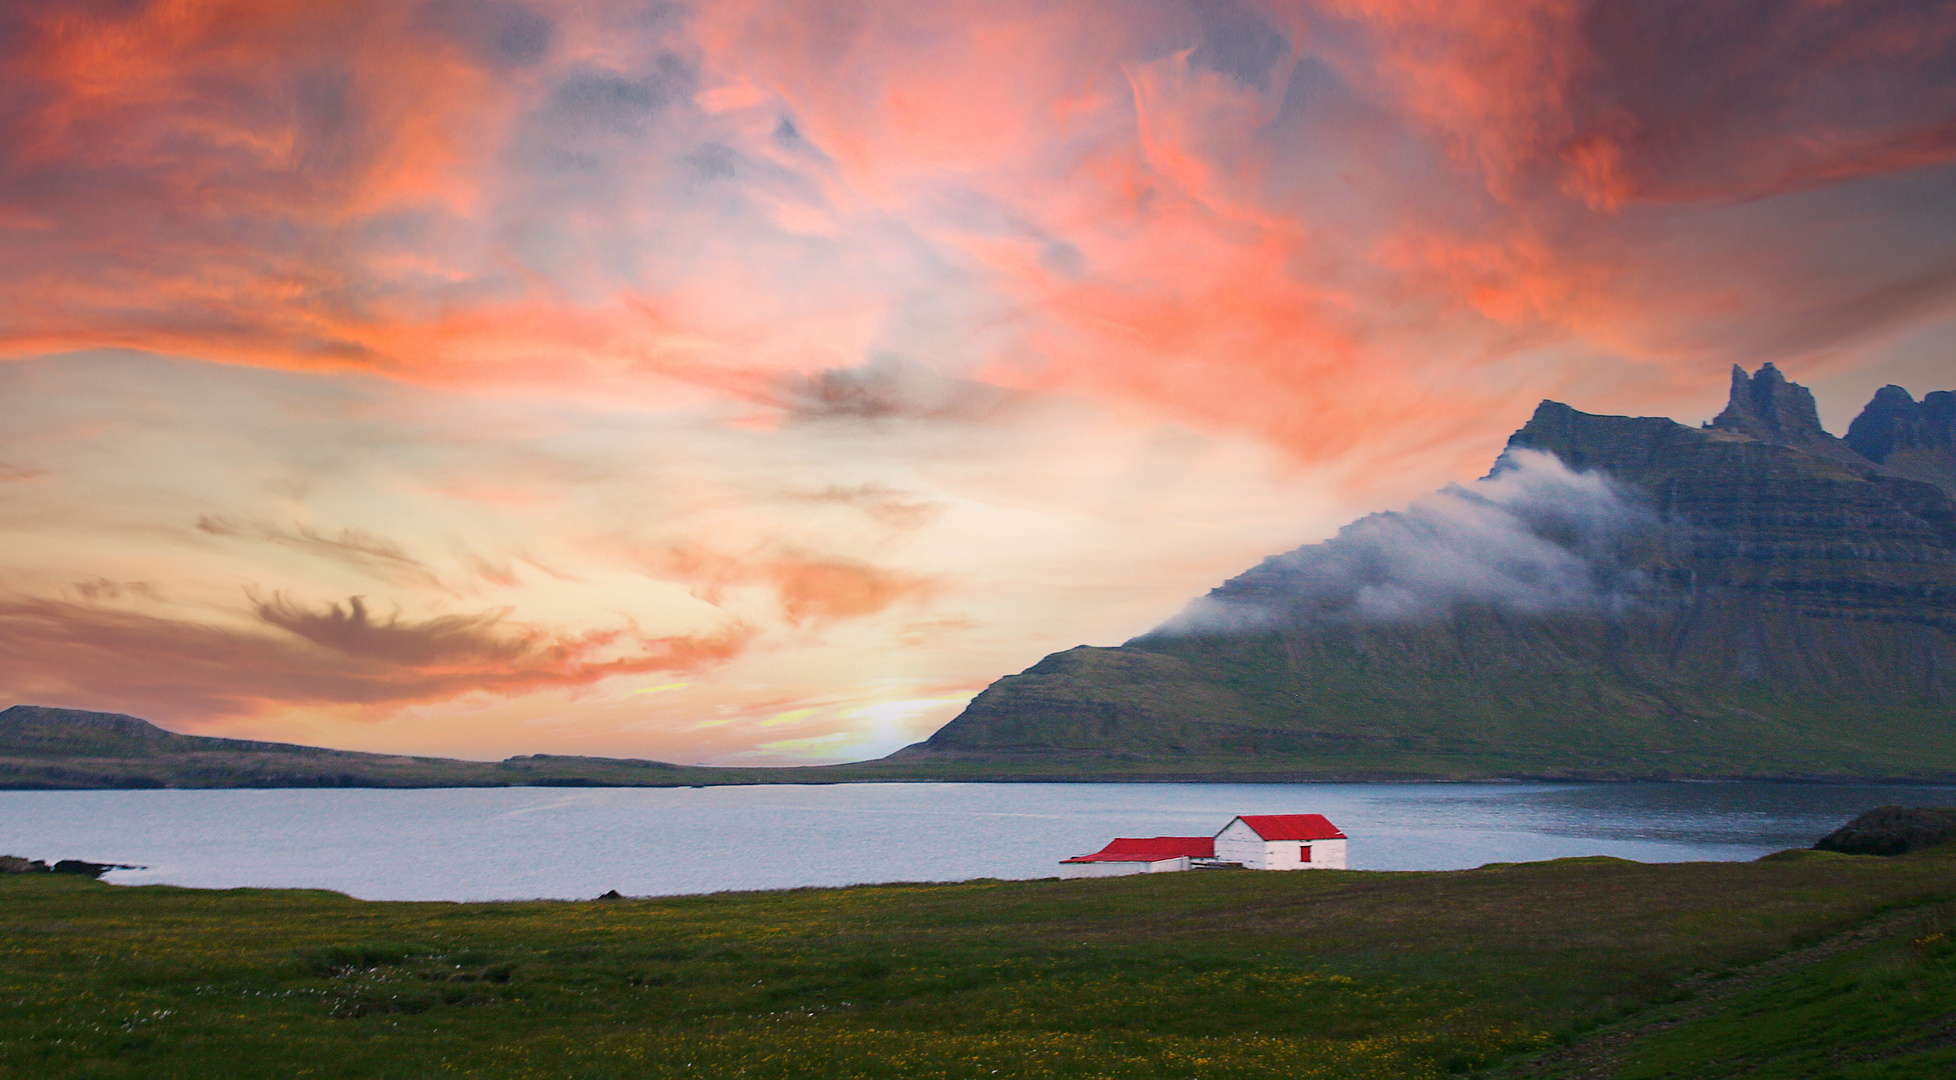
(1304, 853)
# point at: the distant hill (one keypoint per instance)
(43, 748)
(1620, 597)
(49, 748)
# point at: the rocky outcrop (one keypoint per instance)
(1767, 408)
(89, 869)
(1749, 598)
(1771, 519)
(14, 864)
(1907, 438)
(1893, 830)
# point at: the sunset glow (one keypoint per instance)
(754, 382)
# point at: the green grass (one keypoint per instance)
(1211, 975)
(1885, 1011)
(1882, 1008)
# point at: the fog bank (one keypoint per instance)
(1533, 536)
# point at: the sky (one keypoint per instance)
(754, 382)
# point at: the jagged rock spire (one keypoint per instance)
(1769, 406)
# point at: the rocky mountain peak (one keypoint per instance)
(1768, 406)
(1909, 438)
(1890, 420)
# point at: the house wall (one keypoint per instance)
(1101, 869)
(1116, 869)
(1328, 854)
(1240, 843)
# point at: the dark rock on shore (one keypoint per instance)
(14, 864)
(1893, 830)
(91, 869)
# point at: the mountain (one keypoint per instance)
(1619, 597)
(1906, 438)
(50, 748)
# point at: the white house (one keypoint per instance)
(1282, 842)
(1137, 855)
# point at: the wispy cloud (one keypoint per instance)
(835, 339)
(376, 555)
(1213, 210)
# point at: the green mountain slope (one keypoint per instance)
(1754, 598)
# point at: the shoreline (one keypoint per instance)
(1007, 778)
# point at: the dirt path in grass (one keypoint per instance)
(1599, 1056)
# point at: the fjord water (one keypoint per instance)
(516, 843)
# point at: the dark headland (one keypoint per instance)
(1753, 599)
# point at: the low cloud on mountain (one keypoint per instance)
(1533, 536)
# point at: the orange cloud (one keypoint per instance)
(103, 657)
(816, 235)
(1214, 211)
(806, 587)
(821, 589)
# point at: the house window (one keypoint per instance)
(1304, 853)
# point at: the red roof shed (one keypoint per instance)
(1292, 826)
(1152, 849)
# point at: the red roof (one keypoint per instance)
(1152, 849)
(1291, 826)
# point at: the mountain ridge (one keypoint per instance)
(1629, 596)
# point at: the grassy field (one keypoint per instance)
(1525, 969)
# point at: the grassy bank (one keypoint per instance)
(1209, 975)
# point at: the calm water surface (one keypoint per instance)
(511, 843)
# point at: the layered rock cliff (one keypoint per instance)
(1622, 596)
